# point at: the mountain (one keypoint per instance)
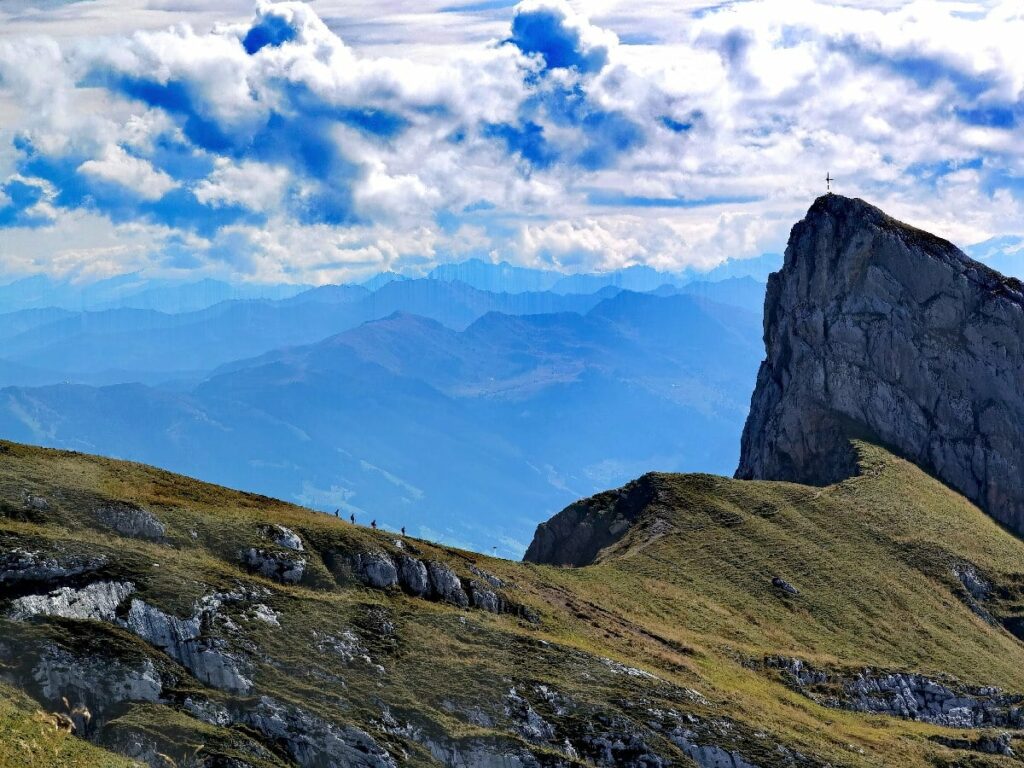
(1004, 254)
(506, 278)
(473, 436)
(132, 291)
(679, 620)
(877, 330)
(133, 345)
(728, 623)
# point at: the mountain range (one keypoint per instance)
(857, 610)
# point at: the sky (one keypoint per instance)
(328, 141)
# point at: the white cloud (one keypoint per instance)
(403, 138)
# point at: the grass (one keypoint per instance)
(686, 595)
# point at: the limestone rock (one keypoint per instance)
(285, 537)
(20, 565)
(446, 584)
(577, 534)
(375, 569)
(183, 640)
(131, 521)
(98, 601)
(315, 743)
(280, 566)
(876, 330)
(413, 576)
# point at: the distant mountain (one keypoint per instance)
(132, 291)
(142, 345)
(507, 278)
(745, 292)
(471, 435)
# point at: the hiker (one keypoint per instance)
(352, 517)
(403, 530)
(373, 524)
(337, 513)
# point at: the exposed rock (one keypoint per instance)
(707, 755)
(98, 601)
(182, 640)
(95, 683)
(525, 720)
(906, 695)
(413, 576)
(279, 566)
(780, 583)
(266, 614)
(20, 565)
(490, 578)
(375, 569)
(131, 521)
(987, 743)
(877, 330)
(976, 589)
(484, 598)
(285, 537)
(446, 584)
(315, 743)
(579, 532)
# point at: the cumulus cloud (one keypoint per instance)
(272, 148)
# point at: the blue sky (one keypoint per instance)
(326, 141)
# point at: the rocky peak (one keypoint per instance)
(877, 330)
(577, 534)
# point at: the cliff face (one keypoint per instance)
(876, 330)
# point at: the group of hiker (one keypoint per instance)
(352, 519)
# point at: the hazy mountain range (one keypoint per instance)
(408, 401)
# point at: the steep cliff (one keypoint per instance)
(876, 330)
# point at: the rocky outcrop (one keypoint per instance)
(183, 640)
(21, 566)
(284, 567)
(904, 694)
(579, 532)
(284, 537)
(131, 521)
(876, 330)
(98, 601)
(314, 743)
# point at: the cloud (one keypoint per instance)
(267, 144)
(562, 39)
(133, 173)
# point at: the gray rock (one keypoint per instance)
(483, 598)
(20, 565)
(131, 521)
(446, 584)
(93, 682)
(906, 695)
(780, 583)
(413, 576)
(577, 534)
(98, 601)
(708, 755)
(314, 743)
(183, 640)
(279, 566)
(285, 537)
(874, 329)
(375, 569)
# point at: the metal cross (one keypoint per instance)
(828, 182)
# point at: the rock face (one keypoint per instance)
(876, 330)
(579, 532)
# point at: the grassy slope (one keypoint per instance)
(30, 738)
(686, 595)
